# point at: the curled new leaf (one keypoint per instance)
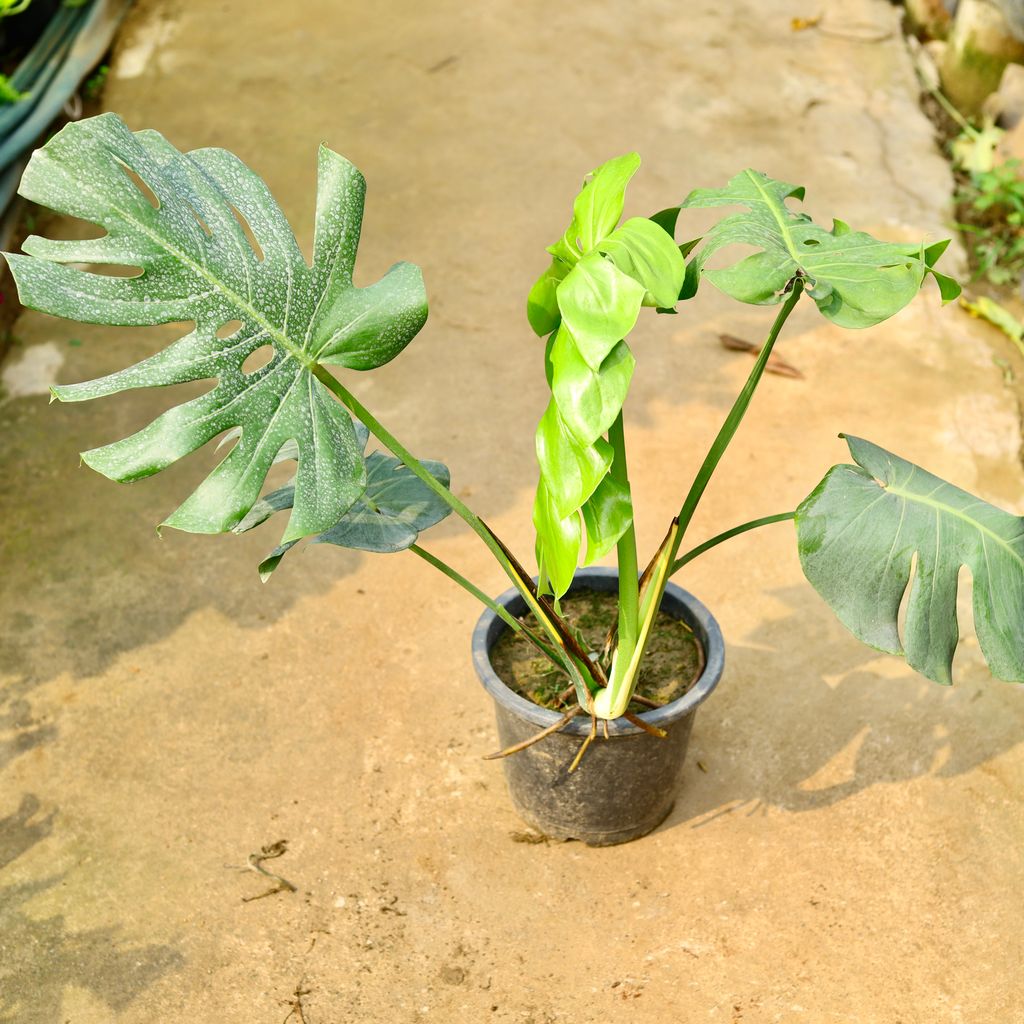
(181, 219)
(866, 529)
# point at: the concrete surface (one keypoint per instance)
(853, 852)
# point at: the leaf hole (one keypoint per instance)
(148, 194)
(199, 220)
(247, 231)
(229, 328)
(263, 356)
(112, 269)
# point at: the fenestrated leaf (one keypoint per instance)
(859, 532)
(389, 516)
(856, 280)
(647, 253)
(599, 304)
(197, 265)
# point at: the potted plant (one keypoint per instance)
(212, 247)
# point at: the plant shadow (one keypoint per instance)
(90, 578)
(40, 957)
(808, 716)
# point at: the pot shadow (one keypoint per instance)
(802, 733)
(40, 957)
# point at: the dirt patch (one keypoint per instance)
(670, 667)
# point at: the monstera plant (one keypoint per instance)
(211, 247)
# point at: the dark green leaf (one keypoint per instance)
(389, 516)
(859, 532)
(197, 265)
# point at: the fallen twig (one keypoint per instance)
(255, 863)
(297, 1009)
(775, 363)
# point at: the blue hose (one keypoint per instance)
(70, 46)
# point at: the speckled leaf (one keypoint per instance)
(198, 265)
(856, 280)
(859, 532)
(389, 516)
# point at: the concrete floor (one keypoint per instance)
(853, 852)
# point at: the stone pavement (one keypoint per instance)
(853, 852)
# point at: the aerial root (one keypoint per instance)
(585, 744)
(516, 747)
(646, 726)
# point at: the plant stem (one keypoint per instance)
(629, 591)
(503, 613)
(690, 555)
(735, 417)
(571, 665)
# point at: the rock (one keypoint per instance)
(928, 18)
(1006, 105)
(1011, 145)
(982, 42)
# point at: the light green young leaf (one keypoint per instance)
(599, 304)
(197, 265)
(571, 470)
(588, 401)
(859, 532)
(558, 541)
(541, 303)
(856, 280)
(648, 254)
(598, 207)
(607, 515)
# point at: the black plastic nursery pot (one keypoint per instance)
(626, 785)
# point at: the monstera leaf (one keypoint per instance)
(856, 280)
(389, 515)
(187, 237)
(859, 533)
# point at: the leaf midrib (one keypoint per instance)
(220, 285)
(767, 198)
(956, 513)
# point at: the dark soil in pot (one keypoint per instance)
(626, 784)
(671, 665)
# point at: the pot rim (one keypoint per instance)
(679, 603)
